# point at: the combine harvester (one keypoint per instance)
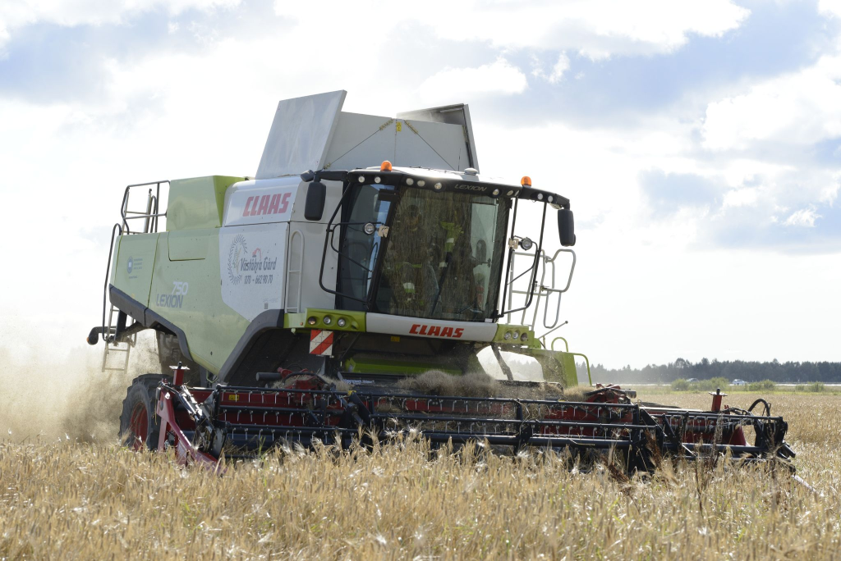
(328, 300)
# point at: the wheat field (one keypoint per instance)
(75, 497)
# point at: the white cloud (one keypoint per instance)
(741, 197)
(739, 171)
(800, 108)
(830, 193)
(804, 218)
(499, 77)
(830, 7)
(595, 28)
(558, 70)
(756, 190)
(555, 74)
(15, 14)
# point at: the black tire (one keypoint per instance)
(139, 412)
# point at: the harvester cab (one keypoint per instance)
(354, 283)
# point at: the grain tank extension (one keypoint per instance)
(369, 276)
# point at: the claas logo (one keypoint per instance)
(266, 204)
(436, 331)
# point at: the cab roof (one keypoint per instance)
(468, 180)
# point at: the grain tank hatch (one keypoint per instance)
(457, 114)
(312, 132)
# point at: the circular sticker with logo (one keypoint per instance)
(238, 249)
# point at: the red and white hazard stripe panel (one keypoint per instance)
(321, 342)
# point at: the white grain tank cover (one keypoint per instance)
(311, 133)
(300, 134)
(458, 114)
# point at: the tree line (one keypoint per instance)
(749, 371)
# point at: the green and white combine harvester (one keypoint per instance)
(347, 292)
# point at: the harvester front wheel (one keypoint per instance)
(138, 426)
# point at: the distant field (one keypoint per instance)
(829, 387)
(797, 389)
(64, 499)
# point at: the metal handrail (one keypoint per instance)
(548, 291)
(150, 216)
(299, 271)
(566, 343)
(509, 274)
(543, 291)
(587, 360)
(536, 263)
(566, 350)
(116, 231)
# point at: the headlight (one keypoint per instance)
(369, 228)
(526, 243)
(327, 320)
(341, 322)
(312, 320)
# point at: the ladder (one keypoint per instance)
(120, 350)
(542, 289)
(116, 348)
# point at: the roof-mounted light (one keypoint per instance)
(438, 186)
(385, 166)
(525, 181)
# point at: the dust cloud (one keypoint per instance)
(74, 399)
(476, 384)
(525, 369)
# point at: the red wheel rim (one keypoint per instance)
(139, 426)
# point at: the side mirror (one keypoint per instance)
(566, 227)
(316, 195)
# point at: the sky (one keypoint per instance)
(698, 141)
